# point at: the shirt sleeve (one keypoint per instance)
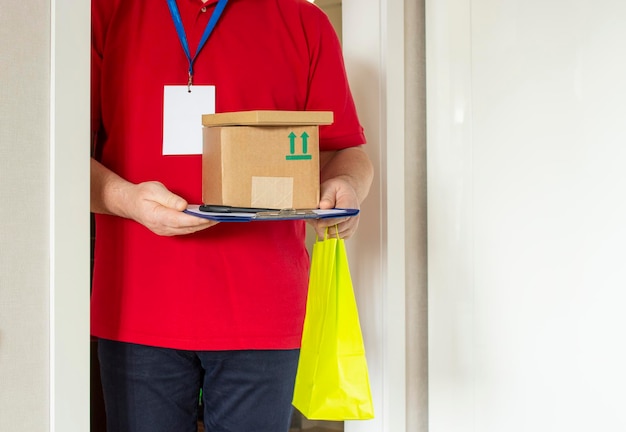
(328, 84)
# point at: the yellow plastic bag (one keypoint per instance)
(332, 382)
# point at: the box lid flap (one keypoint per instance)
(268, 118)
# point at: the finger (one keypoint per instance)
(196, 228)
(179, 220)
(348, 228)
(330, 227)
(169, 222)
(343, 230)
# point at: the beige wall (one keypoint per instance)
(24, 215)
(44, 217)
(416, 223)
(333, 10)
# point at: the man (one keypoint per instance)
(180, 303)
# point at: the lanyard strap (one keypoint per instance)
(180, 30)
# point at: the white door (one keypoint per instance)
(527, 227)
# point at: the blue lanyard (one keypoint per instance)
(178, 23)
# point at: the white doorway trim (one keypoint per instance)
(69, 215)
(373, 42)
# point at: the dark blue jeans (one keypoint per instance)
(149, 389)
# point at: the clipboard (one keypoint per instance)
(259, 215)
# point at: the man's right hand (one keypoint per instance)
(150, 203)
(161, 211)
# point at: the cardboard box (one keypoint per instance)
(264, 159)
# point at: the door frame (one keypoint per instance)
(69, 215)
(373, 43)
(373, 40)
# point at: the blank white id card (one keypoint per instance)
(182, 118)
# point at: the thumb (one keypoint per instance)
(327, 201)
(169, 199)
(175, 202)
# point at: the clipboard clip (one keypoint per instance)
(216, 208)
(235, 214)
(285, 212)
(259, 213)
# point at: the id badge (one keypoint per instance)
(182, 118)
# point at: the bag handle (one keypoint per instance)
(326, 234)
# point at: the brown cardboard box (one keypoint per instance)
(265, 159)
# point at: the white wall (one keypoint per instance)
(526, 217)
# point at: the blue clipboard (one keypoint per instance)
(269, 215)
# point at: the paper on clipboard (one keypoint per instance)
(287, 214)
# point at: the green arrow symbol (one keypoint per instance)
(292, 143)
(305, 137)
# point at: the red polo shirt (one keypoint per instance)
(232, 286)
